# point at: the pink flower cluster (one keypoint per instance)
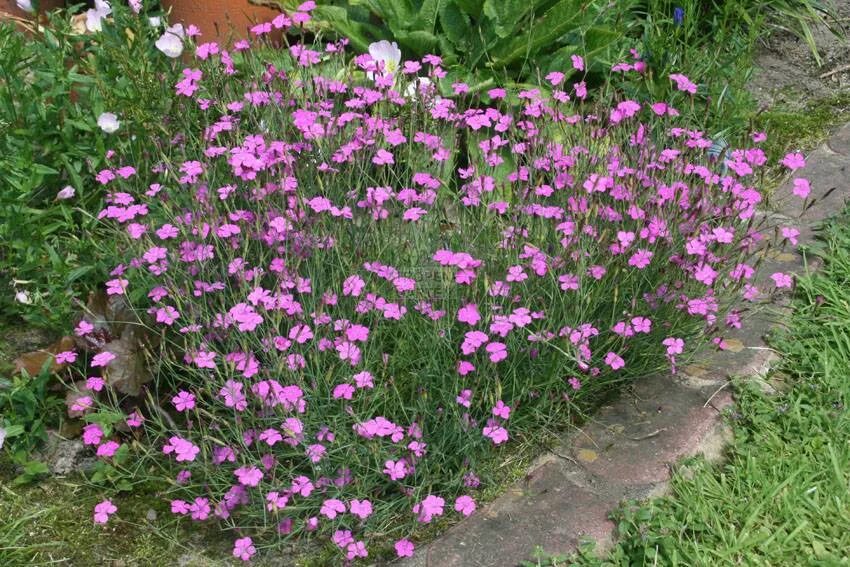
(357, 309)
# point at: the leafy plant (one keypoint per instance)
(26, 409)
(482, 40)
(55, 80)
(362, 295)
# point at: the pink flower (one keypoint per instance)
(782, 280)
(103, 510)
(92, 434)
(404, 548)
(614, 361)
(396, 470)
(429, 508)
(108, 449)
(364, 379)
(465, 505)
(332, 507)
(464, 398)
(497, 351)
(640, 259)
(102, 359)
(496, 433)
(360, 508)
(794, 161)
(357, 333)
(674, 345)
(183, 401)
(204, 359)
(243, 548)
(342, 538)
(683, 83)
(791, 234)
(353, 286)
(302, 485)
(469, 314)
(185, 450)
(116, 286)
(83, 328)
(802, 188)
(66, 357)
(501, 410)
(555, 78)
(578, 62)
(248, 476)
(356, 549)
(383, 157)
(344, 391)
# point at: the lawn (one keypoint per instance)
(781, 496)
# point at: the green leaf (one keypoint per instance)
(506, 15)
(455, 23)
(42, 169)
(472, 8)
(418, 41)
(554, 23)
(428, 12)
(360, 34)
(14, 430)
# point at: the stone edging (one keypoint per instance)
(626, 451)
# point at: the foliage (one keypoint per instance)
(782, 494)
(55, 81)
(362, 295)
(26, 408)
(483, 41)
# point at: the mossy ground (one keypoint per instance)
(50, 522)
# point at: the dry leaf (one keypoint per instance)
(33, 362)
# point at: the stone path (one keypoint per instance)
(627, 450)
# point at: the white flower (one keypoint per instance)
(387, 54)
(67, 192)
(26, 6)
(171, 42)
(95, 15)
(155, 21)
(108, 122)
(3, 431)
(23, 297)
(418, 86)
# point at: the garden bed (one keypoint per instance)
(402, 334)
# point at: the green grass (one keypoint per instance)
(781, 497)
(51, 523)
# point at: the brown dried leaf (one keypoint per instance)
(128, 371)
(33, 362)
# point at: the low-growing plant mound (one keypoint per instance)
(360, 289)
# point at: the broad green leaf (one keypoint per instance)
(506, 15)
(428, 12)
(359, 33)
(418, 41)
(472, 8)
(14, 430)
(554, 23)
(455, 23)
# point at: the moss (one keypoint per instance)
(791, 127)
(52, 522)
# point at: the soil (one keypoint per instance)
(788, 73)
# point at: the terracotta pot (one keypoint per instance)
(219, 18)
(10, 7)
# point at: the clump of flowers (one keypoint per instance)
(362, 290)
